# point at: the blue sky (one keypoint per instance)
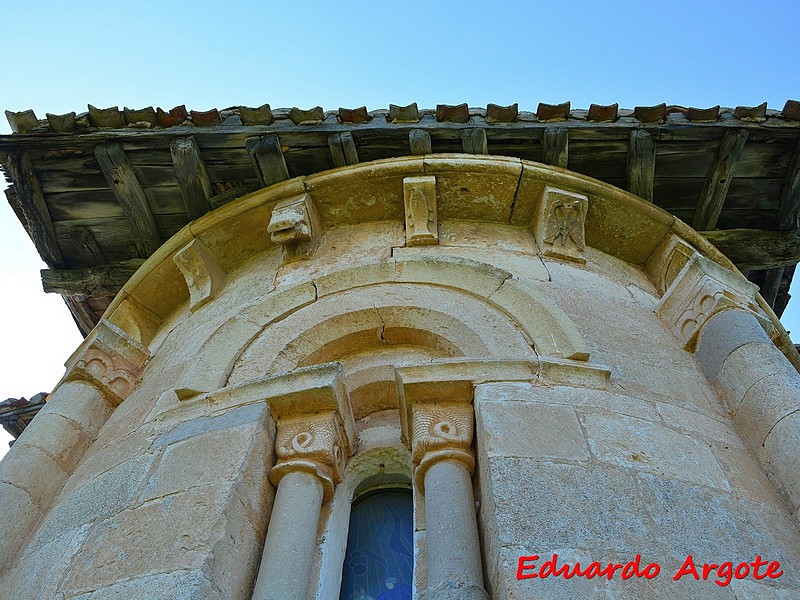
(60, 56)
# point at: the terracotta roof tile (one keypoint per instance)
(553, 112)
(599, 113)
(502, 114)
(452, 113)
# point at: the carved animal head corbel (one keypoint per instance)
(295, 226)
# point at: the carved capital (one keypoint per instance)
(314, 422)
(315, 444)
(559, 224)
(436, 414)
(702, 289)
(204, 277)
(419, 196)
(110, 360)
(441, 432)
(295, 226)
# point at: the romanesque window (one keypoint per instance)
(379, 562)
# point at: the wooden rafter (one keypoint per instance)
(118, 171)
(556, 146)
(474, 141)
(343, 149)
(420, 142)
(268, 159)
(641, 164)
(28, 199)
(190, 171)
(757, 249)
(103, 280)
(718, 181)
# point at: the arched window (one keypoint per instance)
(379, 562)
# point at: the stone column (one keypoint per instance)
(440, 429)
(100, 375)
(713, 311)
(311, 447)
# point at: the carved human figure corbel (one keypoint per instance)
(109, 359)
(559, 225)
(295, 226)
(419, 195)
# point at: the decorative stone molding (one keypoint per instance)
(419, 196)
(204, 276)
(110, 359)
(295, 226)
(559, 224)
(702, 289)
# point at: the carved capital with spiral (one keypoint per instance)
(313, 444)
(441, 432)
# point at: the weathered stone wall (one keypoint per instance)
(597, 434)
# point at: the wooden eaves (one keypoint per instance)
(99, 192)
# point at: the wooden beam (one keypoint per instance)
(474, 141)
(28, 199)
(641, 164)
(757, 249)
(343, 149)
(84, 318)
(103, 280)
(85, 247)
(122, 180)
(772, 284)
(556, 146)
(420, 142)
(267, 155)
(190, 171)
(712, 199)
(790, 197)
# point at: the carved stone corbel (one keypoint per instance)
(419, 196)
(667, 261)
(702, 289)
(110, 360)
(203, 274)
(559, 224)
(295, 226)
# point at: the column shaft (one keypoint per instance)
(45, 455)
(451, 526)
(291, 539)
(761, 390)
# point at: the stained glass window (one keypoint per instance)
(379, 562)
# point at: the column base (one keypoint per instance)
(452, 590)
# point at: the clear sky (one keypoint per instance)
(59, 56)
